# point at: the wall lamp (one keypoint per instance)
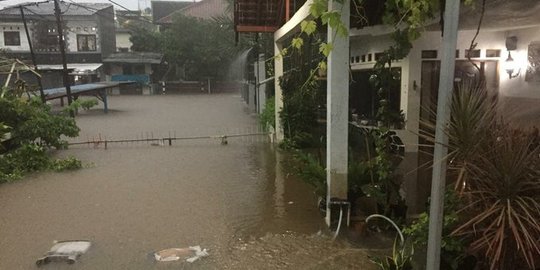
(510, 64)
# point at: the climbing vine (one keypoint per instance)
(406, 17)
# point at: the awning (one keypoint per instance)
(77, 68)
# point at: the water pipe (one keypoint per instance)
(391, 222)
(339, 224)
(341, 203)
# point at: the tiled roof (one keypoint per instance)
(67, 9)
(205, 9)
(161, 9)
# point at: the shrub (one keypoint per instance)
(68, 164)
(34, 130)
(267, 118)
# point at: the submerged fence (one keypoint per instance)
(251, 136)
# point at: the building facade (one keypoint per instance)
(89, 32)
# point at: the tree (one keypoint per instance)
(145, 40)
(202, 47)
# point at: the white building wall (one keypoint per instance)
(412, 66)
(518, 87)
(122, 40)
(515, 87)
(14, 27)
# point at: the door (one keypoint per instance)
(484, 71)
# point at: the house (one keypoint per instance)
(126, 22)
(140, 67)
(510, 34)
(89, 33)
(507, 54)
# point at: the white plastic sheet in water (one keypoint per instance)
(191, 254)
(67, 251)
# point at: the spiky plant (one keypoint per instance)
(472, 119)
(503, 206)
(496, 171)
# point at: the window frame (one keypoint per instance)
(86, 37)
(11, 39)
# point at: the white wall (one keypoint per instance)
(411, 66)
(515, 87)
(518, 87)
(122, 40)
(81, 28)
(14, 27)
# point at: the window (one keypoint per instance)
(493, 53)
(364, 98)
(378, 56)
(472, 54)
(86, 43)
(429, 54)
(12, 39)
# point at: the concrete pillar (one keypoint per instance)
(337, 111)
(278, 72)
(261, 88)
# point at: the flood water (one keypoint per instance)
(133, 199)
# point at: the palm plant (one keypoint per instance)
(503, 187)
(496, 170)
(473, 116)
(498, 179)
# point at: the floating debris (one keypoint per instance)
(191, 254)
(68, 251)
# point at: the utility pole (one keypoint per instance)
(446, 87)
(62, 44)
(41, 93)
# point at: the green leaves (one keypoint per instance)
(332, 18)
(297, 42)
(309, 27)
(326, 48)
(318, 8)
(323, 66)
(34, 130)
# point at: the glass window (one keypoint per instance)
(86, 43)
(364, 98)
(12, 39)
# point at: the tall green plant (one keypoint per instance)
(267, 118)
(300, 109)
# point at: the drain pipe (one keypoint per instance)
(341, 203)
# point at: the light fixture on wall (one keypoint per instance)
(510, 65)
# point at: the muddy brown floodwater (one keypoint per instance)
(133, 199)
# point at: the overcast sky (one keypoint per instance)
(131, 4)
